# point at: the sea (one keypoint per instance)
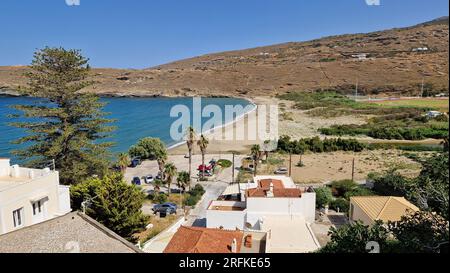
(135, 118)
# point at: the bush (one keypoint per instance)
(342, 187)
(317, 145)
(324, 197)
(197, 190)
(224, 163)
(160, 198)
(359, 191)
(340, 204)
(191, 200)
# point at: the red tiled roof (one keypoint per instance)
(203, 240)
(265, 184)
(286, 193)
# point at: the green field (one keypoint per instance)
(437, 104)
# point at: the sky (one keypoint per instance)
(145, 33)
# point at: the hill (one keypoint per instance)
(390, 61)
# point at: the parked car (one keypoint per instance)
(149, 179)
(282, 170)
(166, 208)
(135, 162)
(158, 176)
(136, 181)
(186, 156)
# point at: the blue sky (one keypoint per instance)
(144, 33)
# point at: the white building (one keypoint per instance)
(271, 204)
(29, 196)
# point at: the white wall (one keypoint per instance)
(227, 219)
(45, 185)
(304, 206)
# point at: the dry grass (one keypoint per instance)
(159, 224)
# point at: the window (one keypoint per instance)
(18, 217)
(37, 207)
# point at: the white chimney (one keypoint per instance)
(15, 172)
(270, 192)
(234, 246)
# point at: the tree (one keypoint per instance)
(203, 144)
(353, 238)
(432, 187)
(170, 171)
(421, 232)
(183, 180)
(112, 202)
(66, 124)
(190, 140)
(324, 197)
(151, 148)
(123, 161)
(256, 154)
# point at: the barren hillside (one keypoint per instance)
(391, 61)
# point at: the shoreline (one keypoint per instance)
(223, 126)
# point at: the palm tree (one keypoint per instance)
(161, 158)
(203, 144)
(256, 154)
(183, 180)
(123, 162)
(190, 140)
(170, 171)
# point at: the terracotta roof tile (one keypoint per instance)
(260, 192)
(265, 184)
(203, 240)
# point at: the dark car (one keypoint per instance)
(135, 162)
(136, 181)
(166, 208)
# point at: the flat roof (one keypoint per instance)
(288, 234)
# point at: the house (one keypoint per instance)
(270, 204)
(70, 233)
(29, 196)
(360, 56)
(369, 209)
(205, 240)
(420, 49)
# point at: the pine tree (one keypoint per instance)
(65, 124)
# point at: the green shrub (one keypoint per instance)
(340, 204)
(342, 187)
(224, 163)
(191, 200)
(324, 197)
(160, 198)
(197, 190)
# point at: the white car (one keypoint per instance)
(149, 179)
(281, 171)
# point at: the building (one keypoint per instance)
(71, 233)
(205, 240)
(433, 114)
(369, 209)
(29, 196)
(360, 56)
(270, 204)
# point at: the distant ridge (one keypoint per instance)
(391, 61)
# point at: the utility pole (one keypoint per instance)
(290, 164)
(422, 88)
(356, 90)
(353, 170)
(232, 171)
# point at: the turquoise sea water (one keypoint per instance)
(136, 118)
